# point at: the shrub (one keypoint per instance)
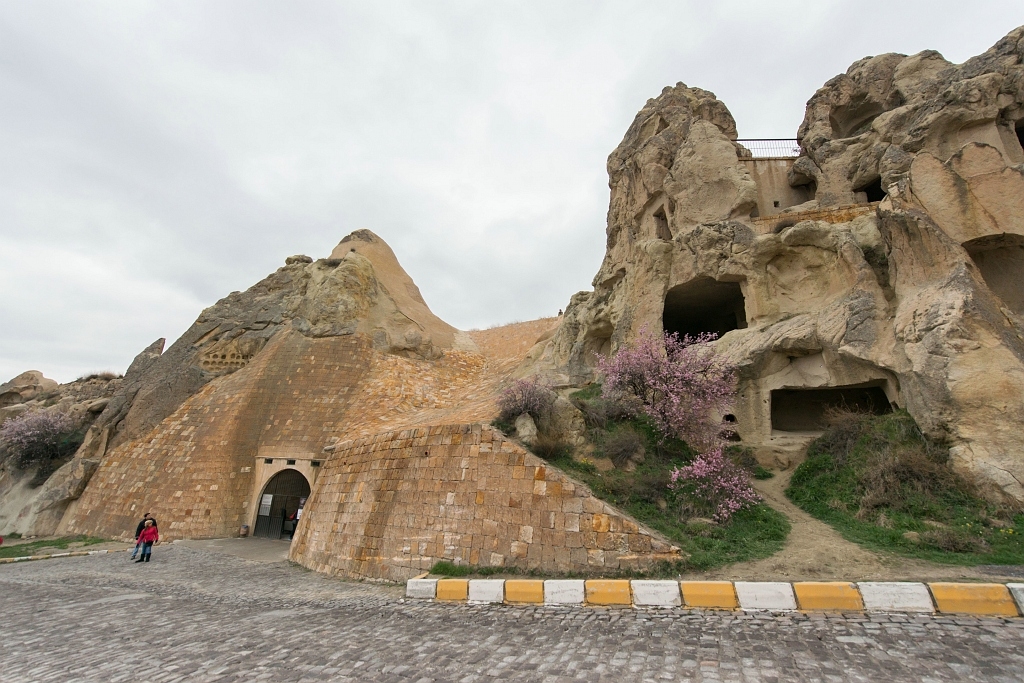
(598, 411)
(525, 396)
(648, 485)
(954, 541)
(622, 444)
(40, 439)
(106, 375)
(713, 484)
(880, 482)
(845, 429)
(681, 384)
(550, 448)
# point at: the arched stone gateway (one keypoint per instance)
(280, 504)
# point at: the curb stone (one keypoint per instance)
(49, 556)
(978, 599)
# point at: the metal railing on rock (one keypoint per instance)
(771, 148)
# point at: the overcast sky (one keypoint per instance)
(155, 156)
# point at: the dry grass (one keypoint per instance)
(549, 447)
(622, 445)
(106, 376)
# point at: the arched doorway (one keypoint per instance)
(281, 504)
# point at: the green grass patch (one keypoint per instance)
(751, 534)
(446, 568)
(881, 484)
(33, 548)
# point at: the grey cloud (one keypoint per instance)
(157, 156)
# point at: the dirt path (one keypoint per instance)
(815, 551)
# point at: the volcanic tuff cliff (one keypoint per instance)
(880, 267)
(891, 260)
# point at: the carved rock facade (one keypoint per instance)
(887, 270)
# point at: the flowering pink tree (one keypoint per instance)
(682, 384)
(713, 483)
(37, 438)
(525, 396)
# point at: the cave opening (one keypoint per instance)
(704, 305)
(1000, 258)
(1019, 129)
(806, 410)
(873, 190)
(661, 225)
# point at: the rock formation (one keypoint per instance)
(335, 377)
(29, 508)
(360, 288)
(880, 267)
(887, 270)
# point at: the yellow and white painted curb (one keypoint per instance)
(48, 556)
(978, 599)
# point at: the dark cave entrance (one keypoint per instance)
(1000, 258)
(704, 305)
(1019, 129)
(280, 504)
(806, 410)
(873, 190)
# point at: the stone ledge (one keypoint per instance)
(50, 556)
(980, 599)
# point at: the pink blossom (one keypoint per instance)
(36, 436)
(682, 384)
(525, 396)
(715, 483)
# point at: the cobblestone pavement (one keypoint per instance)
(200, 616)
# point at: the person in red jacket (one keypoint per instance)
(147, 538)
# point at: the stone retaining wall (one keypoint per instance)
(391, 505)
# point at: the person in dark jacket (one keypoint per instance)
(138, 530)
(147, 537)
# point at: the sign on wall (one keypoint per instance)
(265, 502)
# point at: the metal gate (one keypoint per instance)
(280, 504)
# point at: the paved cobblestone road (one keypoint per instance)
(198, 616)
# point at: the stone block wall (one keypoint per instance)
(194, 471)
(391, 505)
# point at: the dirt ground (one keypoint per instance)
(815, 551)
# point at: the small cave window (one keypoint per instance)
(873, 190)
(806, 410)
(661, 225)
(729, 432)
(1000, 258)
(1019, 129)
(704, 305)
